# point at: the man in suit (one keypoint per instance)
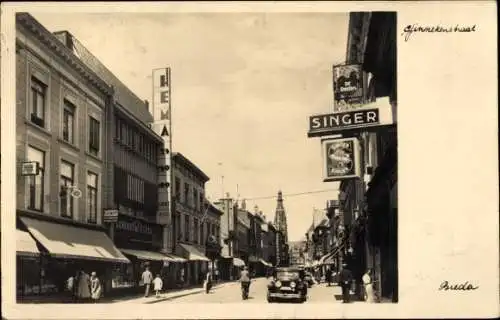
(345, 279)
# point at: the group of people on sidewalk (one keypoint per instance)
(84, 288)
(345, 280)
(157, 282)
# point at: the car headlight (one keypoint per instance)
(278, 283)
(292, 284)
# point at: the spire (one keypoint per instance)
(280, 217)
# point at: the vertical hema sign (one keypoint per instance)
(162, 114)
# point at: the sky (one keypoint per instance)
(243, 88)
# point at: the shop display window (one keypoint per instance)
(123, 276)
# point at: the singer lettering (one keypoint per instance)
(344, 120)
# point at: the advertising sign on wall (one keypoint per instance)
(347, 86)
(367, 117)
(162, 115)
(341, 159)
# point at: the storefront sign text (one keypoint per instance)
(344, 120)
(135, 226)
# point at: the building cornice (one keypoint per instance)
(182, 160)
(48, 39)
(132, 118)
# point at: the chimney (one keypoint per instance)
(146, 103)
(243, 204)
(256, 209)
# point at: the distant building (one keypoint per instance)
(282, 234)
(194, 223)
(297, 252)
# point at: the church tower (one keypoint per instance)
(282, 234)
(280, 217)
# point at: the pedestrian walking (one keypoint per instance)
(83, 291)
(368, 286)
(71, 285)
(95, 287)
(208, 282)
(345, 278)
(328, 275)
(147, 278)
(158, 285)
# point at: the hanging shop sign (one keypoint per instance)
(30, 168)
(369, 116)
(347, 86)
(341, 159)
(110, 216)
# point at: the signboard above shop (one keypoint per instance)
(365, 118)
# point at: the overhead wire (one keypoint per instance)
(292, 194)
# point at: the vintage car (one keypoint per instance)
(287, 284)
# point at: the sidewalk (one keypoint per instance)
(130, 298)
(174, 294)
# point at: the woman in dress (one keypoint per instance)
(95, 287)
(368, 283)
(83, 286)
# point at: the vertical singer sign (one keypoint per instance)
(162, 116)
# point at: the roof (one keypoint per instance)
(181, 159)
(215, 209)
(51, 41)
(124, 96)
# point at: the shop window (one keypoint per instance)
(92, 191)
(68, 122)
(38, 100)
(67, 183)
(28, 276)
(94, 136)
(36, 183)
(122, 276)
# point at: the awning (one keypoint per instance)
(63, 241)
(146, 255)
(193, 254)
(264, 262)
(175, 258)
(238, 262)
(25, 244)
